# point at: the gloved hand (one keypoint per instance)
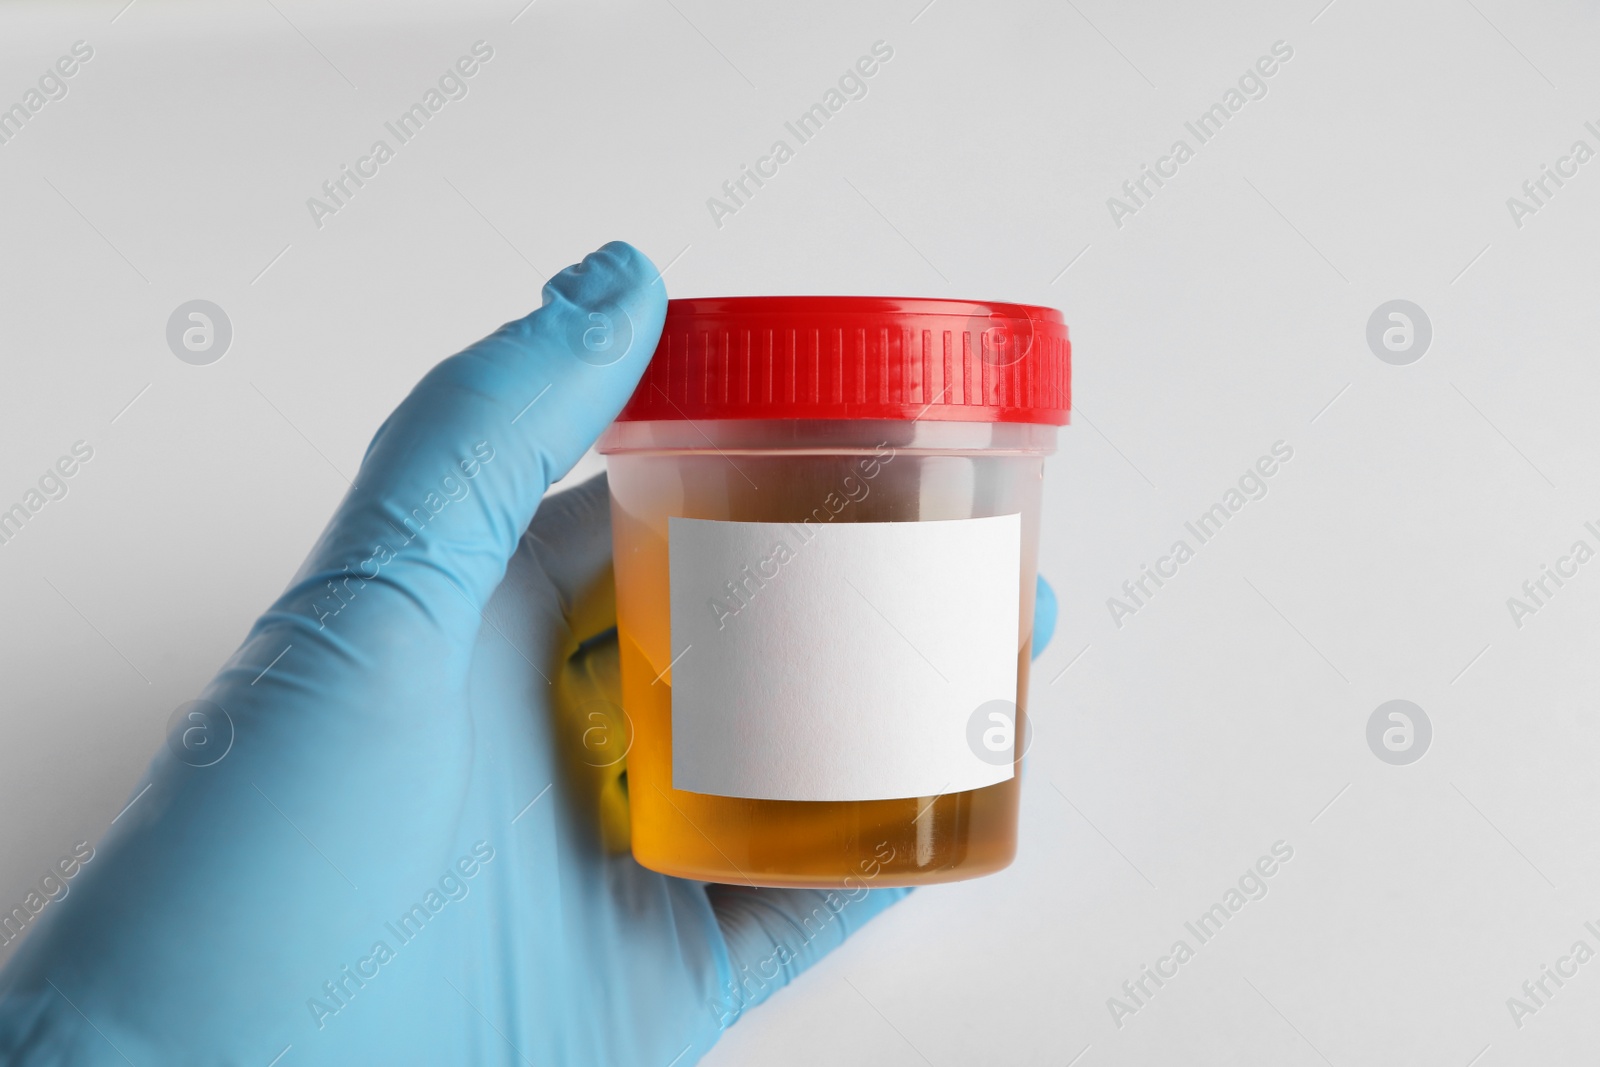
(398, 857)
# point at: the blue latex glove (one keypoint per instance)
(402, 856)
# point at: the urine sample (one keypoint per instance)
(825, 516)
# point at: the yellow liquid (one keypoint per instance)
(910, 841)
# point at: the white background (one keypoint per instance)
(1227, 314)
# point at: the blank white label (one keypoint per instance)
(841, 662)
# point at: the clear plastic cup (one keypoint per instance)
(825, 531)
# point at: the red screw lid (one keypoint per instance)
(857, 357)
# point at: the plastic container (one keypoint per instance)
(825, 517)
